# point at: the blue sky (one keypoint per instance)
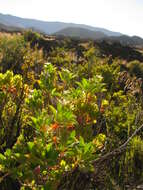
(124, 16)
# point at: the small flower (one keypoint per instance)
(55, 139)
(55, 126)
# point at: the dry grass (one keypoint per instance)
(8, 34)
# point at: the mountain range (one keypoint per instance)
(82, 33)
(13, 23)
(4, 27)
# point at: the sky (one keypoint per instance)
(125, 16)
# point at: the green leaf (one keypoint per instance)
(81, 141)
(49, 147)
(53, 110)
(30, 145)
(8, 152)
(2, 157)
(72, 135)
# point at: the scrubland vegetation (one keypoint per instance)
(71, 114)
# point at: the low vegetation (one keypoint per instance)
(71, 116)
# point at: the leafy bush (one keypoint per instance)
(17, 56)
(59, 134)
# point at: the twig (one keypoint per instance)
(118, 150)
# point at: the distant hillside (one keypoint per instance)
(126, 40)
(81, 33)
(117, 50)
(48, 27)
(13, 23)
(88, 34)
(5, 28)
